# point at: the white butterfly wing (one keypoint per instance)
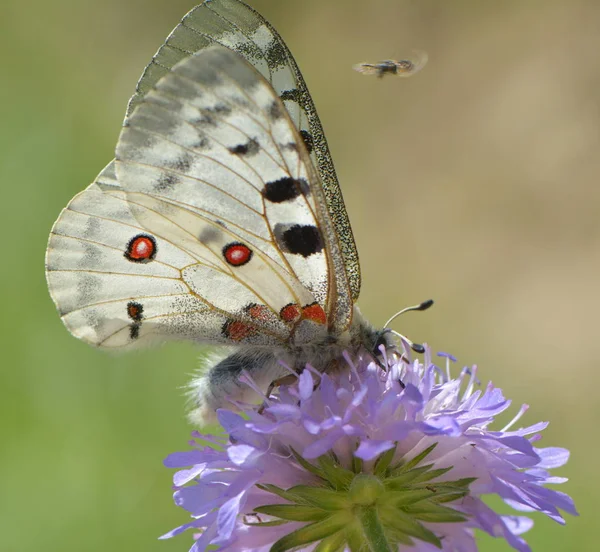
(213, 138)
(218, 228)
(108, 300)
(238, 27)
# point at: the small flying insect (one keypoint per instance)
(401, 68)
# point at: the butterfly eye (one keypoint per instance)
(237, 254)
(141, 249)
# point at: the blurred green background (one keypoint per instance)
(474, 182)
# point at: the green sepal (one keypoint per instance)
(406, 479)
(273, 523)
(357, 464)
(434, 513)
(384, 460)
(456, 485)
(332, 543)
(354, 538)
(429, 475)
(401, 467)
(313, 532)
(404, 523)
(399, 537)
(453, 517)
(443, 497)
(293, 512)
(307, 465)
(336, 475)
(401, 499)
(282, 493)
(326, 499)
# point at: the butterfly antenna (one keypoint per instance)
(416, 347)
(420, 307)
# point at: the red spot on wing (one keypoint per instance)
(237, 254)
(141, 249)
(258, 312)
(315, 313)
(290, 313)
(236, 330)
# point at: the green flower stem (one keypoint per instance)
(372, 531)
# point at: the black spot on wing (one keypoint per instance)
(92, 318)
(87, 288)
(201, 143)
(90, 254)
(166, 182)
(92, 227)
(299, 239)
(249, 148)
(275, 110)
(290, 95)
(134, 330)
(284, 189)
(206, 118)
(183, 163)
(209, 234)
(291, 146)
(307, 139)
(275, 54)
(219, 109)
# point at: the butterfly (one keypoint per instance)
(400, 68)
(220, 220)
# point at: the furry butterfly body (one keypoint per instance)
(220, 219)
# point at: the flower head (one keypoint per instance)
(367, 459)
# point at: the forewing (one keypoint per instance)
(235, 25)
(214, 143)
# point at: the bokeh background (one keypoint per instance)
(475, 182)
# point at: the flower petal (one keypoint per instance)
(370, 449)
(361, 423)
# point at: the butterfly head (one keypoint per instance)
(387, 338)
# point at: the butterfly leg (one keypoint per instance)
(285, 380)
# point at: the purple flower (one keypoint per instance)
(359, 462)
